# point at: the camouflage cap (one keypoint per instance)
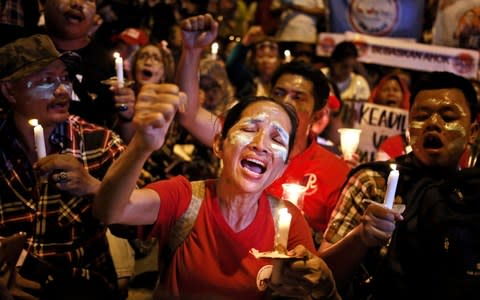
(26, 56)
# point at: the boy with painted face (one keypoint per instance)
(442, 124)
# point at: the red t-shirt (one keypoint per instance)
(214, 261)
(324, 174)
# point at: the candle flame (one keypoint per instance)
(33, 122)
(393, 167)
(214, 48)
(116, 55)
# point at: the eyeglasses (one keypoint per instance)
(266, 59)
(50, 84)
(154, 57)
(266, 44)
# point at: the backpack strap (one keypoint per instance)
(183, 226)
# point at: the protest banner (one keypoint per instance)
(403, 54)
(377, 122)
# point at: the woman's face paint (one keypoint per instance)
(262, 130)
(255, 150)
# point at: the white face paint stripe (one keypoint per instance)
(243, 138)
(283, 133)
(280, 150)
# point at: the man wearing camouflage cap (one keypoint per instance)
(50, 198)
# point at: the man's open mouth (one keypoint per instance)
(432, 142)
(74, 16)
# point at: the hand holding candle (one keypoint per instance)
(119, 68)
(391, 187)
(39, 138)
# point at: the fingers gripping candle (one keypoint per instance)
(39, 138)
(391, 187)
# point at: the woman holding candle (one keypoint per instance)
(441, 124)
(234, 216)
(151, 64)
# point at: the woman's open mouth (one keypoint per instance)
(253, 165)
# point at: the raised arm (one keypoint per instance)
(117, 201)
(198, 32)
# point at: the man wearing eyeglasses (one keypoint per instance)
(50, 197)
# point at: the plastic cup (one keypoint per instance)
(294, 193)
(349, 140)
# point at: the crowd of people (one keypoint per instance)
(191, 153)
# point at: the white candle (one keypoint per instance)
(214, 50)
(288, 56)
(391, 187)
(284, 219)
(39, 138)
(119, 68)
(283, 227)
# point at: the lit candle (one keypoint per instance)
(294, 193)
(119, 68)
(214, 50)
(284, 219)
(288, 56)
(283, 227)
(39, 138)
(391, 186)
